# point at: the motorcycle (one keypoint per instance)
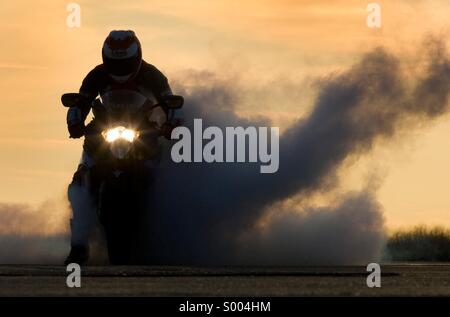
(122, 139)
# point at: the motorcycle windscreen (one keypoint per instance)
(123, 100)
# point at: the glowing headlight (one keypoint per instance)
(117, 133)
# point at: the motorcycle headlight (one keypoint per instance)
(120, 133)
(120, 140)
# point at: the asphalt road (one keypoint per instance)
(396, 280)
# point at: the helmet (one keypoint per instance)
(122, 55)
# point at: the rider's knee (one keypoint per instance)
(80, 184)
(81, 177)
(80, 193)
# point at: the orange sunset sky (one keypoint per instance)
(257, 40)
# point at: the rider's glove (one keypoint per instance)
(167, 128)
(76, 130)
(75, 122)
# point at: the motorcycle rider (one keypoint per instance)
(122, 68)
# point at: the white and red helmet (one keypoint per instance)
(122, 55)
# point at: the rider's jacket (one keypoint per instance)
(149, 81)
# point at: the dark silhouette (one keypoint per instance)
(120, 147)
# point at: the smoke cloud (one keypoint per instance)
(33, 235)
(349, 232)
(201, 211)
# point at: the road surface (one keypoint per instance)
(396, 280)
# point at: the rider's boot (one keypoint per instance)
(78, 254)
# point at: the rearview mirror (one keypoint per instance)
(174, 101)
(73, 100)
